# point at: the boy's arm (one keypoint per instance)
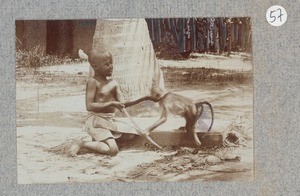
(136, 101)
(119, 94)
(120, 98)
(89, 99)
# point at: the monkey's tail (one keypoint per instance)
(200, 104)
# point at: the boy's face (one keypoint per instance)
(102, 65)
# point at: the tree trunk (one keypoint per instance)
(135, 66)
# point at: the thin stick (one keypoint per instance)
(139, 130)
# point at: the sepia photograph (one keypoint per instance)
(134, 100)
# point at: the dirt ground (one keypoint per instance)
(51, 110)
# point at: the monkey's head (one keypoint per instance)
(157, 93)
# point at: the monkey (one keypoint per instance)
(176, 104)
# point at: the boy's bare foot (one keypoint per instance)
(74, 148)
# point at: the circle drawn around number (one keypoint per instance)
(276, 15)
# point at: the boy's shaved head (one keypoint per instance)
(102, 62)
(98, 55)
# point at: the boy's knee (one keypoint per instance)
(113, 151)
(113, 147)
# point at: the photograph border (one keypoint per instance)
(276, 76)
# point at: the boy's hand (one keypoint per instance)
(118, 105)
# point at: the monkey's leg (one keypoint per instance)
(190, 128)
(156, 124)
(160, 121)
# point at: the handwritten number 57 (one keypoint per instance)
(274, 17)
